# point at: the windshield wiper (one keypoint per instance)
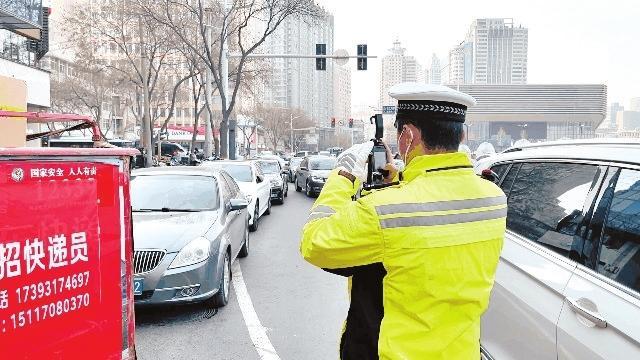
(166, 209)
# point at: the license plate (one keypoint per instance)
(137, 286)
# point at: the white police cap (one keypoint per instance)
(430, 102)
(419, 91)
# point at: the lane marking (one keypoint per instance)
(257, 332)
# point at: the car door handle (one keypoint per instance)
(586, 313)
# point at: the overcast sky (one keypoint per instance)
(570, 41)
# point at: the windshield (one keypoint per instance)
(322, 164)
(240, 173)
(173, 192)
(268, 167)
(295, 162)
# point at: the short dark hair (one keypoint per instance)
(438, 134)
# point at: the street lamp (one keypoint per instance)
(524, 129)
(291, 131)
(467, 136)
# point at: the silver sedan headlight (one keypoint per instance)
(317, 179)
(194, 252)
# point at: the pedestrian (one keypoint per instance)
(175, 159)
(422, 252)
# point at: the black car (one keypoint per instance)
(291, 167)
(277, 179)
(312, 173)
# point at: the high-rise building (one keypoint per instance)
(628, 120)
(397, 67)
(614, 108)
(342, 93)
(461, 64)
(435, 74)
(494, 52)
(634, 104)
(295, 83)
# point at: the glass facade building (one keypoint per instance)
(507, 113)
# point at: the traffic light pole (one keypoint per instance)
(299, 56)
(225, 78)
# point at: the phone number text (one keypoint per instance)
(52, 287)
(54, 309)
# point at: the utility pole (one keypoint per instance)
(291, 118)
(207, 125)
(224, 74)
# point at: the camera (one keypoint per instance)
(377, 157)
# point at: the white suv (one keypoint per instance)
(568, 283)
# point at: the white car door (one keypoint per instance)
(534, 269)
(601, 314)
(263, 190)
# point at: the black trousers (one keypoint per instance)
(360, 338)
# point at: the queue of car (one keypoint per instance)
(191, 222)
(568, 280)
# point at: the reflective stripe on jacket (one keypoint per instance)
(438, 235)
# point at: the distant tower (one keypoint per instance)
(500, 51)
(436, 70)
(397, 67)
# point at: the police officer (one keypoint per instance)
(436, 236)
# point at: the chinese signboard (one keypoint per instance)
(60, 258)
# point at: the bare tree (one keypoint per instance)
(300, 125)
(140, 45)
(87, 88)
(244, 26)
(197, 90)
(279, 124)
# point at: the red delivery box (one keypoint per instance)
(65, 254)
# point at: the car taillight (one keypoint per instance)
(488, 174)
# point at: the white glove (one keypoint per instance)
(354, 160)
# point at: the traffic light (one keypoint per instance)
(362, 62)
(333, 122)
(321, 63)
(350, 123)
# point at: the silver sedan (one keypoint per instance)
(189, 224)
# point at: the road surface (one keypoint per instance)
(289, 306)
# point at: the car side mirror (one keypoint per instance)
(259, 179)
(238, 204)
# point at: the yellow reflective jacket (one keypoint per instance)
(438, 235)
